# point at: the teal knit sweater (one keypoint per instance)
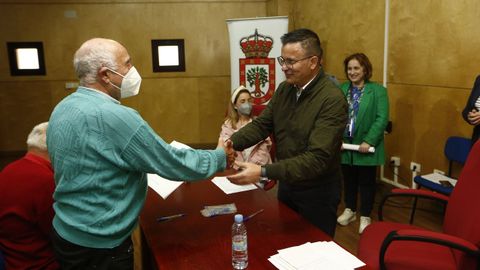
(100, 152)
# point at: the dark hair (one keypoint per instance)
(364, 62)
(308, 39)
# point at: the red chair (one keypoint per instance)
(388, 245)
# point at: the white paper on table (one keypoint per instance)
(279, 263)
(229, 188)
(299, 256)
(355, 147)
(437, 177)
(315, 256)
(162, 186)
(339, 255)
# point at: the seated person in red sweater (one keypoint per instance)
(26, 188)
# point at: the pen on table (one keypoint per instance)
(166, 218)
(252, 215)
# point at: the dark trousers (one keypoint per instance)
(73, 257)
(359, 179)
(317, 204)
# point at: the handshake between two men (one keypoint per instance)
(245, 173)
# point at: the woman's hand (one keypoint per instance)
(363, 148)
(474, 117)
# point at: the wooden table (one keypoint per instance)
(197, 242)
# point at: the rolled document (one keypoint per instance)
(354, 147)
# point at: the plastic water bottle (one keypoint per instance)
(239, 244)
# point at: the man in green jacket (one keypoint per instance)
(307, 116)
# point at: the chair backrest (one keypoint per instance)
(457, 149)
(462, 216)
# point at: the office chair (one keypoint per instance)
(388, 245)
(456, 150)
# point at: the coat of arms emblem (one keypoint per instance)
(257, 71)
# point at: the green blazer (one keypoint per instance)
(370, 124)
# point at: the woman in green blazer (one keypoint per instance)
(368, 118)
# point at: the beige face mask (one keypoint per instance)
(130, 83)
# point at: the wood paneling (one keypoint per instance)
(186, 106)
(344, 28)
(432, 64)
(434, 42)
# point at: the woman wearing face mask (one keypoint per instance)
(367, 120)
(240, 114)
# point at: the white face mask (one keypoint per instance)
(130, 83)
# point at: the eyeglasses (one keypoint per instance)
(290, 62)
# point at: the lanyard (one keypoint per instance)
(354, 96)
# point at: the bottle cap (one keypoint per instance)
(238, 218)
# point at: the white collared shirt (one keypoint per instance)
(300, 89)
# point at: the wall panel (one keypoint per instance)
(432, 58)
(197, 97)
(434, 42)
(344, 28)
(423, 118)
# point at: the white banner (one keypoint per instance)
(254, 46)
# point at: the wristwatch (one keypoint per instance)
(264, 182)
(263, 172)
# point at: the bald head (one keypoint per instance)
(94, 54)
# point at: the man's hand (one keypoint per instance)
(474, 117)
(363, 148)
(229, 152)
(249, 173)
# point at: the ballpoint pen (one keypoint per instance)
(167, 218)
(252, 215)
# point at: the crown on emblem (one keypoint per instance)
(256, 45)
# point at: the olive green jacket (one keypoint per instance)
(307, 133)
(370, 124)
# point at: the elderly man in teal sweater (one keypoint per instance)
(100, 152)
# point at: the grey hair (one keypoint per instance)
(91, 56)
(38, 137)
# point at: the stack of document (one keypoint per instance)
(315, 256)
